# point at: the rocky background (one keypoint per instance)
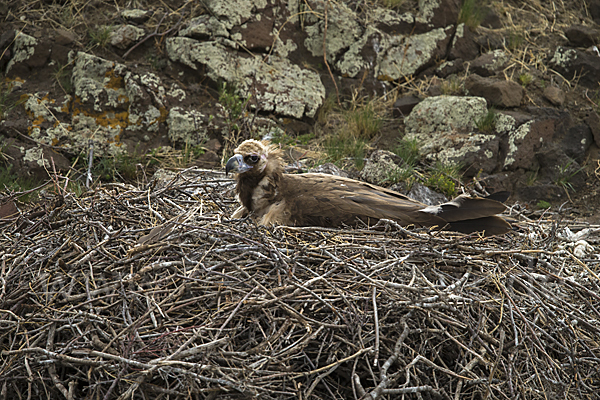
(509, 92)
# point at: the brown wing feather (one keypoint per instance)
(326, 200)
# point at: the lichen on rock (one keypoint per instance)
(277, 84)
(444, 127)
(186, 126)
(24, 48)
(99, 81)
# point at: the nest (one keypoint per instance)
(154, 293)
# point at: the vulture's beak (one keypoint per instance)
(236, 164)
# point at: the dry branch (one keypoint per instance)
(207, 306)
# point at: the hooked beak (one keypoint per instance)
(236, 164)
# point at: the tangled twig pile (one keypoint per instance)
(147, 294)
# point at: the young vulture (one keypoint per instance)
(332, 201)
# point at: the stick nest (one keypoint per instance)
(154, 293)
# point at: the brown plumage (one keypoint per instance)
(332, 201)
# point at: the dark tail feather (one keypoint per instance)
(464, 207)
(499, 196)
(493, 225)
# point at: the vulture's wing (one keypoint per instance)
(327, 200)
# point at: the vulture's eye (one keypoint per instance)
(253, 158)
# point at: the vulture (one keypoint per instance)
(274, 198)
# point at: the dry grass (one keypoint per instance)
(152, 292)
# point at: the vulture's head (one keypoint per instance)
(254, 159)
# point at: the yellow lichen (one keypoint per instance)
(114, 82)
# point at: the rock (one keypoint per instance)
(444, 127)
(463, 44)
(448, 68)
(99, 83)
(381, 167)
(330, 169)
(6, 39)
(343, 30)
(125, 36)
(204, 27)
(546, 192)
(136, 16)
(516, 118)
(571, 62)
(490, 40)
(64, 37)
(390, 22)
(257, 33)
(404, 105)
(490, 63)
(30, 54)
(500, 93)
(445, 114)
(426, 196)
(436, 14)
(576, 141)
(108, 105)
(526, 140)
(410, 55)
(594, 8)
(8, 210)
(554, 95)
(558, 168)
(582, 36)
(393, 57)
(276, 85)
(185, 126)
(593, 121)
(499, 182)
(435, 90)
(491, 19)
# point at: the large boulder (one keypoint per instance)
(276, 85)
(445, 128)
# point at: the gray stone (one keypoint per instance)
(554, 95)
(276, 85)
(593, 121)
(500, 93)
(491, 19)
(444, 127)
(390, 22)
(490, 63)
(572, 62)
(436, 14)
(330, 169)
(425, 195)
(448, 68)
(136, 16)
(410, 55)
(381, 167)
(343, 30)
(463, 44)
(547, 192)
(526, 140)
(576, 141)
(404, 105)
(125, 36)
(29, 54)
(187, 126)
(582, 36)
(594, 7)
